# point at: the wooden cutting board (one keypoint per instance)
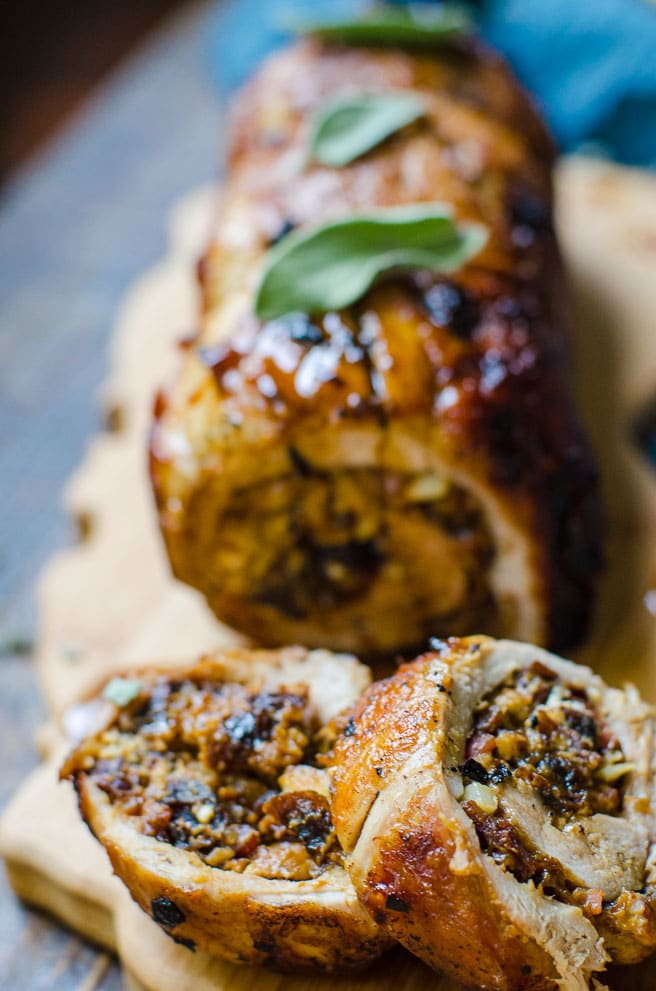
(109, 601)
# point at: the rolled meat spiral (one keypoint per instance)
(411, 465)
(497, 806)
(206, 788)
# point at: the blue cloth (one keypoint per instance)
(242, 32)
(591, 64)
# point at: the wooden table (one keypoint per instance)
(75, 229)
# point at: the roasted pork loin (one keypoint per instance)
(497, 806)
(412, 464)
(207, 787)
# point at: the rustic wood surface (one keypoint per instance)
(76, 227)
(48, 69)
(106, 187)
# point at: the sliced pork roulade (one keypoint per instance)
(206, 787)
(497, 804)
(360, 476)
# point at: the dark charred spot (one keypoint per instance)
(265, 946)
(279, 596)
(473, 770)
(189, 944)
(448, 305)
(644, 432)
(507, 438)
(285, 228)
(379, 771)
(529, 209)
(357, 561)
(301, 466)
(396, 904)
(349, 729)
(166, 913)
(530, 216)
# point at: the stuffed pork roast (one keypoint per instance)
(497, 804)
(207, 788)
(410, 464)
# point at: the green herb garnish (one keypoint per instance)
(333, 266)
(416, 26)
(347, 128)
(121, 691)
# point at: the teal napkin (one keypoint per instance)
(590, 64)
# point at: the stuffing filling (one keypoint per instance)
(533, 728)
(311, 541)
(233, 775)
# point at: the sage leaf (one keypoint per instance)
(333, 266)
(347, 128)
(415, 26)
(121, 691)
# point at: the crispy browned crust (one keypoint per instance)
(486, 392)
(415, 858)
(447, 918)
(289, 925)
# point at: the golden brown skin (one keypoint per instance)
(403, 810)
(288, 456)
(251, 913)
